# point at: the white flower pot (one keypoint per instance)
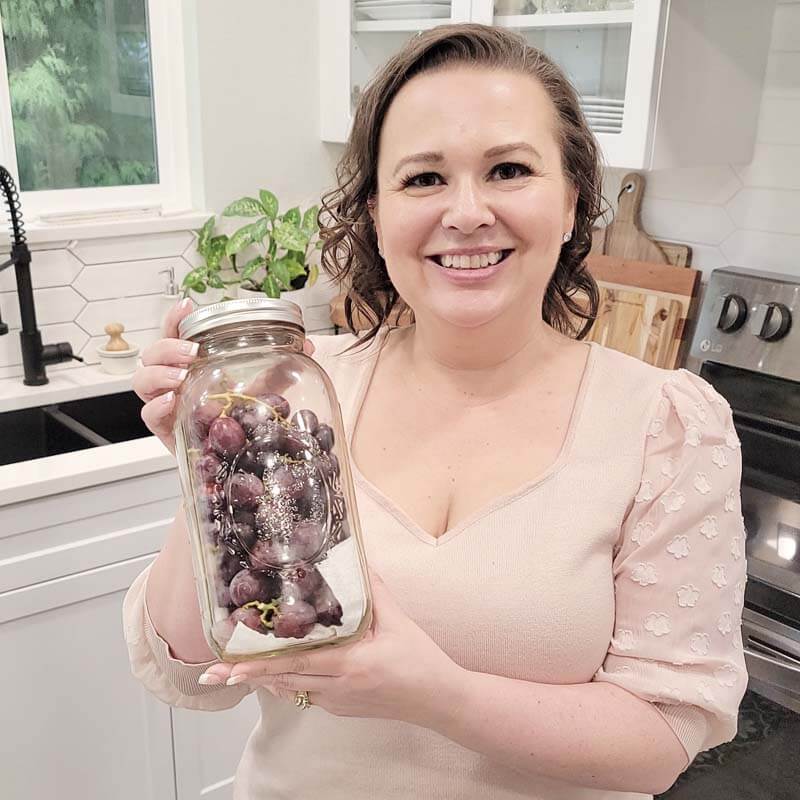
(296, 296)
(211, 296)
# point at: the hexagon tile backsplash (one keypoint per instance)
(81, 286)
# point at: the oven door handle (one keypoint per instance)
(774, 671)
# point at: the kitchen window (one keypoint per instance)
(93, 115)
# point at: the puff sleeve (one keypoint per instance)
(679, 570)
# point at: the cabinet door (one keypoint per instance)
(357, 37)
(608, 49)
(208, 748)
(75, 723)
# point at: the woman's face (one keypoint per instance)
(469, 171)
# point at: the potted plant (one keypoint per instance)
(270, 256)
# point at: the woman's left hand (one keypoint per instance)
(396, 671)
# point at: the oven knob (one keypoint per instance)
(732, 314)
(771, 321)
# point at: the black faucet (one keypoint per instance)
(35, 355)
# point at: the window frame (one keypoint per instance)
(173, 193)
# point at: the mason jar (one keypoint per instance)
(276, 545)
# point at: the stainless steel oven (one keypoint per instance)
(747, 345)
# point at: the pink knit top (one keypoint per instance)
(622, 562)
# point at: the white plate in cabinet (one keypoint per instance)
(687, 74)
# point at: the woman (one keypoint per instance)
(556, 526)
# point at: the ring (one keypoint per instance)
(301, 700)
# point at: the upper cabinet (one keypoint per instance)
(663, 83)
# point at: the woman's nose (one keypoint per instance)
(467, 209)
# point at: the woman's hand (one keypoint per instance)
(395, 672)
(164, 367)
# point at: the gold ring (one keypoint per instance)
(301, 700)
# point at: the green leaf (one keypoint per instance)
(313, 274)
(252, 266)
(270, 203)
(244, 207)
(310, 224)
(215, 282)
(261, 229)
(204, 235)
(296, 268)
(293, 216)
(270, 287)
(216, 251)
(240, 239)
(280, 270)
(289, 236)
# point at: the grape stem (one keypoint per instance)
(229, 397)
(264, 608)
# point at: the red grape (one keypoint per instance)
(208, 466)
(307, 538)
(244, 490)
(325, 437)
(328, 608)
(248, 616)
(276, 401)
(248, 585)
(226, 436)
(203, 415)
(273, 552)
(305, 420)
(294, 619)
(307, 580)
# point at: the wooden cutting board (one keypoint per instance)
(644, 308)
(625, 237)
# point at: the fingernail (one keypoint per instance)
(209, 679)
(167, 398)
(185, 303)
(190, 348)
(178, 374)
(235, 679)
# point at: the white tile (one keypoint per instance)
(711, 185)
(142, 338)
(323, 291)
(772, 210)
(774, 252)
(783, 71)
(192, 257)
(776, 166)
(60, 304)
(132, 248)
(317, 318)
(786, 28)
(48, 268)
(10, 353)
(685, 222)
(707, 258)
(779, 121)
(106, 281)
(135, 313)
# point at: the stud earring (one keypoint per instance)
(566, 237)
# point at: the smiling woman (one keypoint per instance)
(553, 529)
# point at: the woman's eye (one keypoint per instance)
(422, 180)
(509, 171)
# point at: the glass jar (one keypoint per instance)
(276, 544)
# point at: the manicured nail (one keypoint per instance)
(178, 374)
(167, 398)
(235, 679)
(189, 348)
(185, 303)
(209, 679)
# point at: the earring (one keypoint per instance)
(566, 237)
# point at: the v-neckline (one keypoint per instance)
(400, 514)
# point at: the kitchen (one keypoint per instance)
(76, 528)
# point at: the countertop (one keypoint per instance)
(28, 480)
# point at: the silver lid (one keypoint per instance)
(249, 309)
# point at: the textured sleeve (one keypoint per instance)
(679, 570)
(168, 678)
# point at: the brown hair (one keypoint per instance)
(350, 246)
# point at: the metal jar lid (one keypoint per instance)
(249, 309)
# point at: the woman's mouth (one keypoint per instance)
(466, 262)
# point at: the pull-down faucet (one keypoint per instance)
(35, 355)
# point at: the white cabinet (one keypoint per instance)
(75, 722)
(663, 83)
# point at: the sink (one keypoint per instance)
(51, 430)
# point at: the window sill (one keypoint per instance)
(102, 226)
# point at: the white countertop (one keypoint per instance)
(64, 385)
(28, 480)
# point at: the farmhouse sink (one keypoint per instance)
(50, 430)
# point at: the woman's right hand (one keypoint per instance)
(164, 365)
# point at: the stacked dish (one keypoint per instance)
(604, 114)
(402, 9)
